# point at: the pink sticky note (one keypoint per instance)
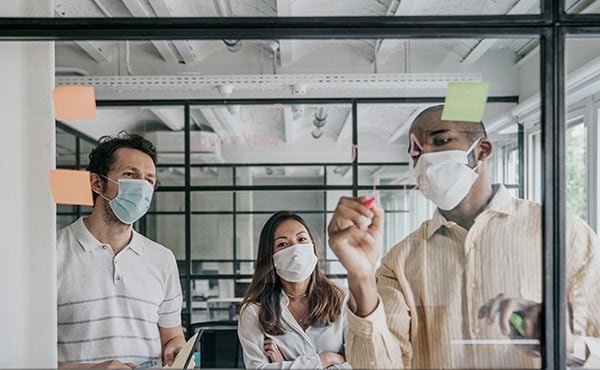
(71, 187)
(74, 102)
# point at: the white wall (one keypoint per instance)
(28, 265)
(579, 51)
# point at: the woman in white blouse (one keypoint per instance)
(292, 315)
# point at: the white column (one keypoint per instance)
(28, 222)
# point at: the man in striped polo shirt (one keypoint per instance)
(119, 296)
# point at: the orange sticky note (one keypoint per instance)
(71, 187)
(74, 102)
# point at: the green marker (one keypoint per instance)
(516, 321)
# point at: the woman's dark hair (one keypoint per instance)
(102, 156)
(324, 297)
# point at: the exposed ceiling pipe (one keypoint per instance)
(223, 9)
(127, 59)
(320, 117)
(319, 122)
(67, 71)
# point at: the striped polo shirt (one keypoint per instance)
(110, 306)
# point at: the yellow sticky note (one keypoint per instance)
(71, 187)
(465, 101)
(74, 102)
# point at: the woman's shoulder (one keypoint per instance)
(250, 308)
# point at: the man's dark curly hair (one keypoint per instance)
(102, 156)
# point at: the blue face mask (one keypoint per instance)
(132, 200)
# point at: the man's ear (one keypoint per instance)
(96, 183)
(485, 149)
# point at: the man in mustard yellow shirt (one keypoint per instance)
(443, 297)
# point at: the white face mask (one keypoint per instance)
(295, 263)
(445, 177)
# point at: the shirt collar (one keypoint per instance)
(137, 243)
(86, 239)
(502, 202)
(89, 242)
(284, 299)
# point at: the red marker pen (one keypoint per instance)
(369, 202)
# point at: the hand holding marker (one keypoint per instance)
(516, 321)
(369, 202)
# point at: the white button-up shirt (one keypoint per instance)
(300, 348)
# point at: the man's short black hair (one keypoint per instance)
(473, 130)
(102, 156)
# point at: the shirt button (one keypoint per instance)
(118, 278)
(104, 246)
(476, 330)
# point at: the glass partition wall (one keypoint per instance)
(237, 181)
(252, 119)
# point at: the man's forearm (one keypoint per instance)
(364, 297)
(177, 341)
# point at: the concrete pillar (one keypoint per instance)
(28, 221)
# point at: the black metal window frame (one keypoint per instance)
(552, 26)
(187, 275)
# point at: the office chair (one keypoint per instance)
(219, 344)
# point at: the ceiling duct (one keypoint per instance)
(299, 83)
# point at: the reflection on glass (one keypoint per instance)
(214, 299)
(211, 176)
(212, 236)
(333, 197)
(576, 170)
(281, 175)
(167, 230)
(212, 201)
(452, 273)
(385, 175)
(65, 149)
(272, 201)
(170, 175)
(168, 202)
(62, 221)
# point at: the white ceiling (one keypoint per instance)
(270, 69)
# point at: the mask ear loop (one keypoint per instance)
(109, 179)
(470, 149)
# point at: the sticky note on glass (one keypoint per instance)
(74, 102)
(465, 101)
(71, 187)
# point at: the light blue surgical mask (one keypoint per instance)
(132, 201)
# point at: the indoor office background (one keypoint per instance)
(230, 197)
(250, 119)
